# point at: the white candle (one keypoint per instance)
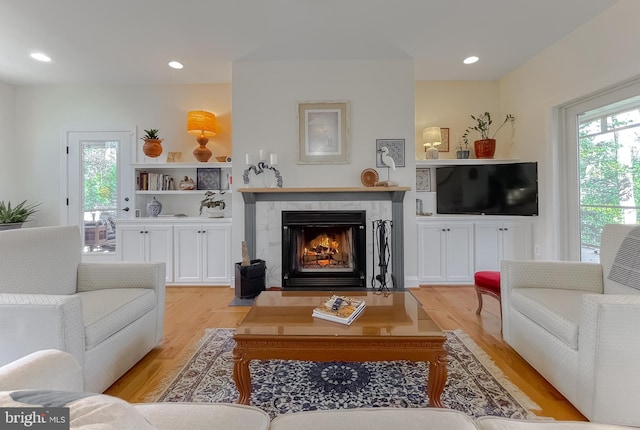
(263, 155)
(274, 159)
(249, 160)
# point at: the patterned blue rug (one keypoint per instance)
(474, 384)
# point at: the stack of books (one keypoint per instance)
(340, 309)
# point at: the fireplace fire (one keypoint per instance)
(323, 249)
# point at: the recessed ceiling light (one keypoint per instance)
(40, 57)
(470, 60)
(175, 65)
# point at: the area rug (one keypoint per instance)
(474, 386)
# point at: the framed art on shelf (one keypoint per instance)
(423, 179)
(323, 132)
(444, 134)
(208, 178)
(396, 151)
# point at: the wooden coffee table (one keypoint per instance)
(392, 327)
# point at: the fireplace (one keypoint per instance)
(323, 249)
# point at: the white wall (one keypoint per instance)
(382, 106)
(43, 111)
(9, 182)
(597, 55)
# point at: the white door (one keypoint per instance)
(98, 186)
(217, 261)
(188, 253)
(459, 253)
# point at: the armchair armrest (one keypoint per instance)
(98, 276)
(566, 275)
(609, 358)
(32, 322)
(48, 369)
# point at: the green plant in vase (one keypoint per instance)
(14, 217)
(485, 147)
(152, 143)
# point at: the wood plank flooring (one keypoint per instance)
(190, 310)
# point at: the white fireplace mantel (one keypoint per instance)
(393, 194)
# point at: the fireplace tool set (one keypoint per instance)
(381, 239)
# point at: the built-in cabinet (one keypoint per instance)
(445, 252)
(201, 253)
(452, 249)
(196, 251)
(496, 241)
(152, 243)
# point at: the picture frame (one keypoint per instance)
(444, 134)
(396, 151)
(324, 132)
(423, 179)
(174, 157)
(208, 178)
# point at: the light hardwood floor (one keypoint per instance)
(190, 310)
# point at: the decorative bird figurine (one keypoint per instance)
(387, 161)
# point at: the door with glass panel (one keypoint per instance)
(99, 184)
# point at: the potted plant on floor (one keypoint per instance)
(152, 143)
(14, 217)
(486, 146)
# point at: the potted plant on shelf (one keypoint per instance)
(14, 217)
(214, 206)
(152, 143)
(486, 146)
(462, 151)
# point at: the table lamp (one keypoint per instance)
(202, 124)
(431, 137)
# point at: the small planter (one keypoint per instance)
(10, 225)
(485, 148)
(152, 147)
(464, 154)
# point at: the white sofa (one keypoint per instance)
(57, 370)
(107, 315)
(579, 329)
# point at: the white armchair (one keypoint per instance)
(579, 329)
(107, 315)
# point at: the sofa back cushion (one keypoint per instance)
(612, 237)
(40, 260)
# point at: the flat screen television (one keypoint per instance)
(488, 189)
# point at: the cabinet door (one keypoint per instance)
(188, 253)
(488, 244)
(159, 246)
(516, 241)
(431, 246)
(217, 254)
(131, 243)
(459, 252)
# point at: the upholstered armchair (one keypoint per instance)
(579, 329)
(107, 315)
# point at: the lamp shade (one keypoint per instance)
(200, 123)
(431, 136)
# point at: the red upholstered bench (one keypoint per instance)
(487, 282)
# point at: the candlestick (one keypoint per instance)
(249, 160)
(274, 159)
(263, 155)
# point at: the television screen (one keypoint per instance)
(488, 189)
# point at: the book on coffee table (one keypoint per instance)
(340, 309)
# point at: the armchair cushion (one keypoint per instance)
(54, 250)
(107, 311)
(557, 311)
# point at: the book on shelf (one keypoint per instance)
(340, 309)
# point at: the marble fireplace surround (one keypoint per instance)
(324, 199)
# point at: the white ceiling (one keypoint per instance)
(131, 41)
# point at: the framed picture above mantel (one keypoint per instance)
(324, 132)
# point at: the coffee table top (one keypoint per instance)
(288, 313)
